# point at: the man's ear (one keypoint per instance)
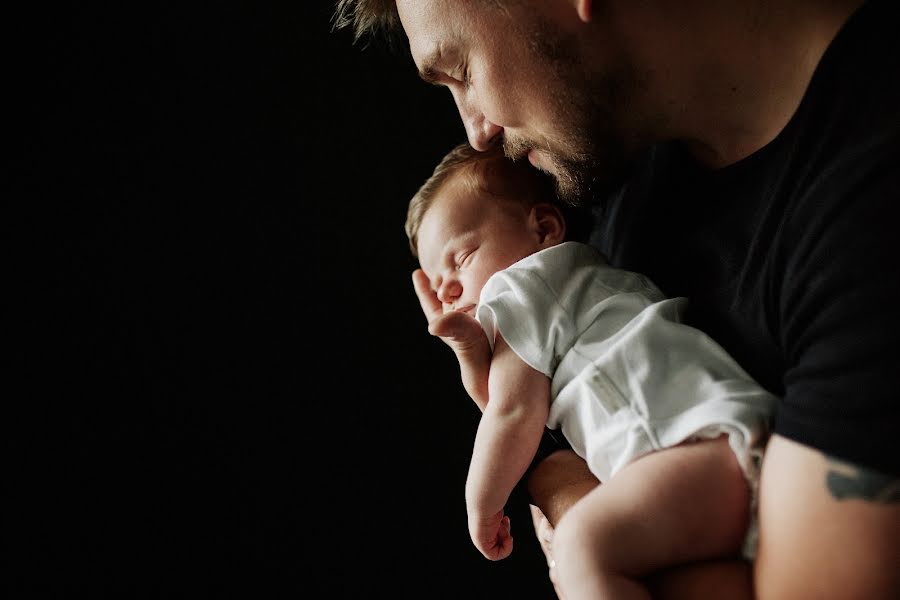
(585, 10)
(548, 223)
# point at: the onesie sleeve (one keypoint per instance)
(541, 304)
(519, 305)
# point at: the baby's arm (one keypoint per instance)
(463, 334)
(507, 439)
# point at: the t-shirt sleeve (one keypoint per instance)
(840, 312)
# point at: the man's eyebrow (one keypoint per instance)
(428, 72)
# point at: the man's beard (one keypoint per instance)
(589, 157)
(583, 177)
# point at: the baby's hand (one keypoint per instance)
(491, 535)
(463, 333)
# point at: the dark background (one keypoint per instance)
(221, 381)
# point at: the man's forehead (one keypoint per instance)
(429, 28)
(416, 17)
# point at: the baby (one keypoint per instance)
(548, 334)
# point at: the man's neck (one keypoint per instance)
(739, 72)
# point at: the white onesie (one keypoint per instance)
(627, 377)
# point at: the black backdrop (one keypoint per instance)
(222, 384)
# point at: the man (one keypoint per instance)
(746, 154)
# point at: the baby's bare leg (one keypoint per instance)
(665, 509)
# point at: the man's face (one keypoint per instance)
(517, 77)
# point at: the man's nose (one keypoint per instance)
(449, 291)
(482, 133)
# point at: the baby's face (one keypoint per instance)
(465, 237)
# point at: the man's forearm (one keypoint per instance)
(561, 479)
(558, 482)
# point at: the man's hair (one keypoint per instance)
(371, 17)
(492, 173)
(367, 16)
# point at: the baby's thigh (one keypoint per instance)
(682, 504)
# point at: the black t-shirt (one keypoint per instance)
(791, 257)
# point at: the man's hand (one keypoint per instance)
(555, 484)
(544, 531)
(463, 334)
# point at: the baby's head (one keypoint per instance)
(479, 213)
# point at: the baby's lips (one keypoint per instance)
(468, 309)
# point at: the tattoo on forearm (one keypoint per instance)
(847, 481)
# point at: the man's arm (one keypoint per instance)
(813, 511)
(558, 482)
(561, 479)
(828, 529)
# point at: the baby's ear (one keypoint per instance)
(548, 223)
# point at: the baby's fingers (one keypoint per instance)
(428, 300)
(504, 544)
(457, 326)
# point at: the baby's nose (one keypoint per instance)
(449, 291)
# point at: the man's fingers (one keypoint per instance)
(536, 516)
(543, 530)
(428, 300)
